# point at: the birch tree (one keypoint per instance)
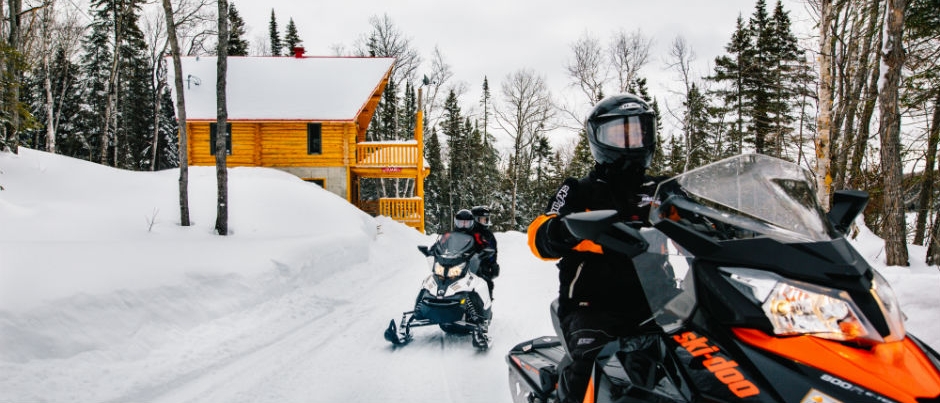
(823, 120)
(180, 112)
(526, 112)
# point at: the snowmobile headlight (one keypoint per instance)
(455, 271)
(798, 308)
(439, 270)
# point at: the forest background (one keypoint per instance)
(857, 101)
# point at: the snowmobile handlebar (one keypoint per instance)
(604, 228)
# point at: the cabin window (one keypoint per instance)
(314, 138)
(228, 139)
(317, 181)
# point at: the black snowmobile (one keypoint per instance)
(454, 296)
(776, 305)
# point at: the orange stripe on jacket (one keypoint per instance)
(533, 229)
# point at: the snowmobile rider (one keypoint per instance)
(600, 296)
(489, 268)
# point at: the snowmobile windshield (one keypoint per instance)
(454, 248)
(752, 194)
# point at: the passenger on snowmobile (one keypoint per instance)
(599, 295)
(489, 268)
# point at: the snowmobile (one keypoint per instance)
(775, 305)
(453, 296)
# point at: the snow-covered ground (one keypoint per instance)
(104, 297)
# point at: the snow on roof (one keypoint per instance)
(283, 88)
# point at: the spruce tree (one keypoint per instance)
(95, 63)
(274, 36)
(731, 71)
(699, 141)
(237, 45)
(582, 160)
(168, 154)
(458, 167)
(789, 76)
(291, 38)
(436, 212)
(135, 106)
(759, 79)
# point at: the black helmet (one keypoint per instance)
(463, 219)
(482, 215)
(621, 130)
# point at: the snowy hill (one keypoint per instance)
(104, 297)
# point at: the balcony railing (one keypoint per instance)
(404, 210)
(387, 154)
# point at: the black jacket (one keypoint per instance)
(589, 277)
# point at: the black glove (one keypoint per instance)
(494, 270)
(558, 234)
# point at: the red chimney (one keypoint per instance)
(298, 51)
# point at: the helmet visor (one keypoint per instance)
(482, 219)
(463, 224)
(626, 132)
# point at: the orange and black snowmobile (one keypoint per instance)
(775, 304)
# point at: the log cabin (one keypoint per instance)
(307, 116)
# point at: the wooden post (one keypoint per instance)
(419, 138)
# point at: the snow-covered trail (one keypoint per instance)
(319, 340)
(328, 344)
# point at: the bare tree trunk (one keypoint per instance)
(823, 173)
(527, 111)
(110, 89)
(856, 179)
(221, 220)
(11, 129)
(927, 186)
(180, 113)
(894, 229)
(47, 82)
(157, 115)
(852, 101)
(933, 246)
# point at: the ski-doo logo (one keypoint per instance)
(559, 199)
(723, 369)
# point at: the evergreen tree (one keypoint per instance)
(731, 70)
(789, 75)
(582, 160)
(291, 38)
(677, 155)
(459, 164)
(117, 117)
(759, 79)
(658, 163)
(699, 141)
(135, 98)
(436, 213)
(237, 45)
(95, 64)
(168, 154)
(63, 75)
(274, 36)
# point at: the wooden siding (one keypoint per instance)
(275, 144)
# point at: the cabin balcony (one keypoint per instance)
(387, 154)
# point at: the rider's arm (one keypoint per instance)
(549, 238)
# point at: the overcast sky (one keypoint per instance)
(494, 38)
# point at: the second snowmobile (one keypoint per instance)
(454, 296)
